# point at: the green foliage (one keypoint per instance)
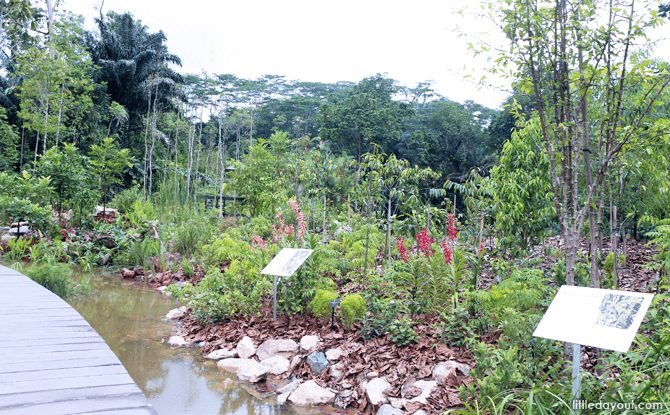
(496, 371)
(352, 308)
(376, 322)
(521, 192)
(9, 140)
(660, 237)
(239, 291)
(55, 278)
(24, 210)
(124, 201)
(190, 236)
(401, 331)
(225, 248)
(456, 327)
(139, 252)
(582, 273)
(108, 162)
(320, 305)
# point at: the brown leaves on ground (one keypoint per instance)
(396, 364)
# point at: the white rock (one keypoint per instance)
(376, 391)
(176, 341)
(281, 398)
(276, 365)
(420, 412)
(176, 313)
(252, 372)
(309, 393)
(427, 387)
(308, 344)
(372, 375)
(289, 387)
(234, 364)
(398, 403)
(270, 348)
(444, 370)
(335, 354)
(389, 410)
(161, 289)
(246, 348)
(222, 354)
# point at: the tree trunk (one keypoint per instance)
(60, 110)
(388, 234)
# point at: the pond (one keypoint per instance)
(176, 380)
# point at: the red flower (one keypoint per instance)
(402, 249)
(451, 227)
(446, 250)
(425, 242)
(481, 248)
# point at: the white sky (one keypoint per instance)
(317, 41)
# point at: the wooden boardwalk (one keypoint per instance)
(52, 362)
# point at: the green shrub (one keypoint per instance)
(320, 305)
(351, 308)
(123, 201)
(189, 236)
(55, 278)
(401, 331)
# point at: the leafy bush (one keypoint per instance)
(352, 308)
(496, 371)
(401, 332)
(189, 236)
(582, 273)
(125, 200)
(25, 210)
(219, 297)
(320, 305)
(54, 277)
(225, 248)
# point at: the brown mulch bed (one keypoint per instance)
(399, 365)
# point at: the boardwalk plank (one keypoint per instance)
(64, 383)
(42, 397)
(53, 362)
(62, 373)
(81, 406)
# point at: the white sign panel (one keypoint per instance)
(287, 261)
(607, 319)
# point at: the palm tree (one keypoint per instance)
(129, 57)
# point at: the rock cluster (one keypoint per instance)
(280, 358)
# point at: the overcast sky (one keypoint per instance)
(316, 41)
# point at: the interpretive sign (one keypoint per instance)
(595, 317)
(287, 261)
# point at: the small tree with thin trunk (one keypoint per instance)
(107, 163)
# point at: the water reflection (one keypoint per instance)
(176, 381)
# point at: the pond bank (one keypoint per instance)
(341, 366)
(176, 381)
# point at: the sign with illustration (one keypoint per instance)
(287, 262)
(595, 317)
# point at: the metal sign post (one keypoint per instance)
(287, 261)
(274, 300)
(576, 375)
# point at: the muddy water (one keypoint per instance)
(177, 381)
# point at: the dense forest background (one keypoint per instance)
(64, 85)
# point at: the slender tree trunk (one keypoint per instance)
(60, 110)
(388, 233)
(325, 229)
(146, 146)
